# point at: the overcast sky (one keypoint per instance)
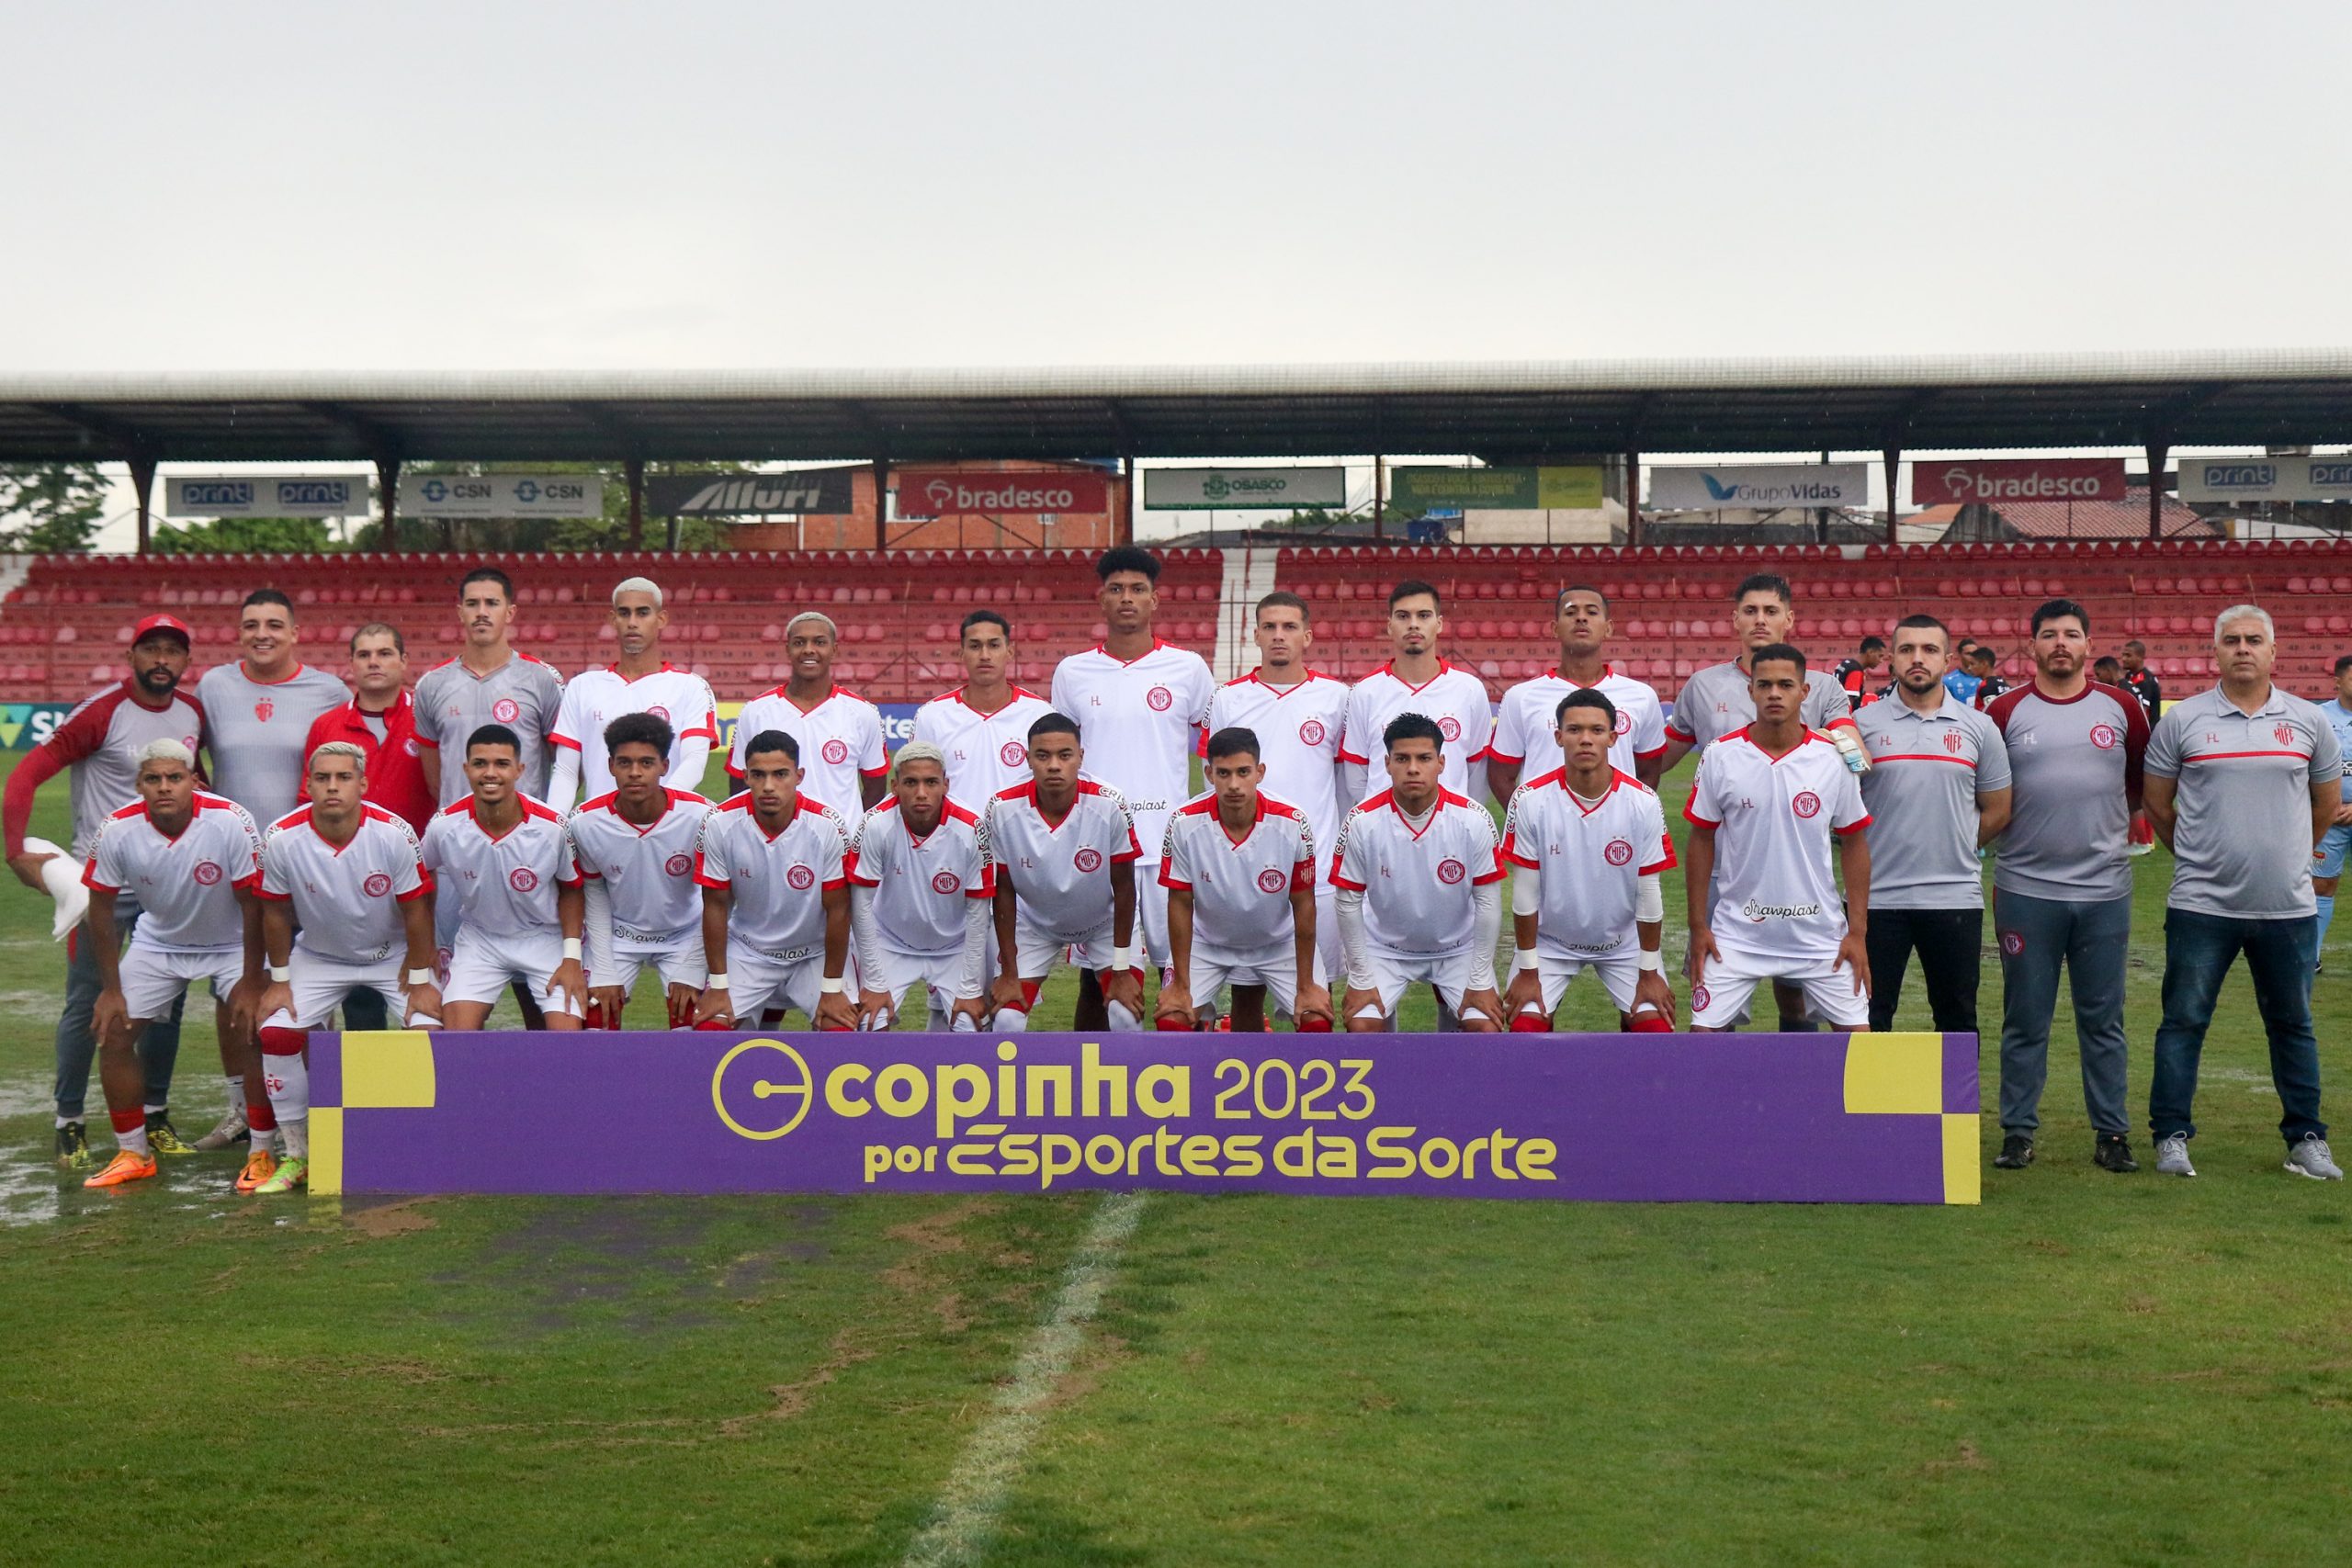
(493, 186)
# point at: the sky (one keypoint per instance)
(487, 185)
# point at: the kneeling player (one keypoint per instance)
(193, 858)
(1239, 870)
(921, 899)
(503, 861)
(774, 897)
(347, 874)
(635, 846)
(1589, 843)
(1767, 800)
(1432, 855)
(1064, 852)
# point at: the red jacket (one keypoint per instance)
(396, 778)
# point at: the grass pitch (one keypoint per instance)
(2089, 1368)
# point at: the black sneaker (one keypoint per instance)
(73, 1146)
(165, 1138)
(2017, 1152)
(2113, 1152)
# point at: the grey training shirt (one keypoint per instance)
(2243, 844)
(256, 731)
(1928, 768)
(452, 702)
(2072, 766)
(1714, 701)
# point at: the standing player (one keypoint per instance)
(1853, 675)
(2327, 861)
(1064, 852)
(1142, 703)
(1937, 790)
(2140, 682)
(1526, 742)
(489, 682)
(776, 896)
(641, 680)
(347, 875)
(1770, 799)
(259, 711)
(504, 865)
(921, 899)
(2062, 885)
(1416, 680)
(381, 719)
(1590, 842)
(101, 742)
(194, 859)
(1984, 662)
(1433, 858)
(1244, 864)
(838, 732)
(635, 845)
(982, 727)
(1298, 714)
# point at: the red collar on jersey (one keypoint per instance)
(1809, 736)
(1255, 677)
(1157, 644)
(246, 671)
(1445, 666)
(1616, 779)
(1606, 672)
(468, 808)
(616, 669)
(1015, 694)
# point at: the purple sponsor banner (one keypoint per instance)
(1663, 1118)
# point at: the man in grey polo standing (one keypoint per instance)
(2241, 778)
(2061, 886)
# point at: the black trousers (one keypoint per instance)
(1949, 944)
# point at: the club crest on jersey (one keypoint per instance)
(1451, 871)
(1699, 999)
(658, 711)
(1807, 804)
(1088, 859)
(800, 878)
(409, 745)
(2103, 736)
(2013, 942)
(1161, 699)
(1311, 732)
(1451, 728)
(678, 865)
(506, 710)
(947, 882)
(1624, 722)
(1272, 881)
(1619, 852)
(264, 708)
(523, 879)
(206, 874)
(1013, 754)
(836, 751)
(377, 884)
(2283, 733)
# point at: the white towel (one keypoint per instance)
(63, 877)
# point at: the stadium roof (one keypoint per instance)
(1505, 410)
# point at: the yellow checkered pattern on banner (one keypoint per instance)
(1902, 1075)
(383, 1069)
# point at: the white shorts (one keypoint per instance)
(939, 974)
(681, 965)
(482, 966)
(320, 983)
(1829, 998)
(1448, 975)
(1275, 967)
(154, 977)
(1327, 958)
(1036, 953)
(1152, 915)
(758, 982)
(1618, 972)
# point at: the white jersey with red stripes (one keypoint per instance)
(1527, 725)
(987, 752)
(1137, 720)
(186, 885)
(1241, 887)
(346, 900)
(1592, 859)
(504, 884)
(1061, 870)
(840, 741)
(779, 879)
(922, 886)
(1454, 697)
(1417, 882)
(648, 873)
(1300, 729)
(593, 698)
(1775, 888)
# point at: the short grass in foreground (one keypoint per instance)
(2088, 1368)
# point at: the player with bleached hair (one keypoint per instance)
(921, 899)
(640, 681)
(838, 732)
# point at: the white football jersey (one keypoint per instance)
(1136, 722)
(1061, 870)
(779, 882)
(185, 885)
(1527, 727)
(648, 873)
(593, 698)
(1417, 886)
(1454, 697)
(1592, 860)
(1241, 887)
(503, 886)
(922, 886)
(1775, 889)
(347, 901)
(1299, 731)
(840, 740)
(988, 753)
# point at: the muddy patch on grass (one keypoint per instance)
(379, 1218)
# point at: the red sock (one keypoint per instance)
(1316, 1026)
(1169, 1023)
(1530, 1024)
(129, 1121)
(1650, 1023)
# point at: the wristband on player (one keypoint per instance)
(1650, 963)
(1523, 958)
(1123, 958)
(830, 986)
(572, 948)
(716, 982)
(280, 973)
(420, 977)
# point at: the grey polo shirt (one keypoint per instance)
(2074, 764)
(2243, 844)
(452, 702)
(256, 731)
(1926, 770)
(1714, 701)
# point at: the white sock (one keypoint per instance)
(1012, 1020)
(155, 1110)
(1122, 1021)
(296, 1131)
(236, 1092)
(134, 1142)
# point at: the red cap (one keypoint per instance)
(171, 624)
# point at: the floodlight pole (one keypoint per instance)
(1127, 502)
(882, 507)
(1633, 498)
(1379, 490)
(633, 469)
(1893, 455)
(2157, 452)
(388, 486)
(143, 478)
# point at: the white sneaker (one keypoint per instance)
(232, 1128)
(2311, 1157)
(2143, 848)
(2172, 1156)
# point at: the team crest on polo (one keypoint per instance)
(2103, 736)
(1953, 744)
(836, 751)
(1619, 852)
(1160, 698)
(523, 879)
(945, 882)
(1272, 881)
(800, 879)
(1311, 732)
(1087, 860)
(2285, 733)
(206, 874)
(506, 710)
(264, 708)
(1013, 754)
(377, 884)
(678, 865)
(1807, 804)
(1450, 727)
(1451, 871)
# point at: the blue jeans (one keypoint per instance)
(2090, 943)
(2198, 950)
(159, 1048)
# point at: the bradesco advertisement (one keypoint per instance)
(1798, 1118)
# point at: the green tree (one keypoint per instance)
(225, 535)
(607, 532)
(50, 507)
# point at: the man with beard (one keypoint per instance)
(100, 742)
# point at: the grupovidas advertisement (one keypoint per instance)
(1748, 485)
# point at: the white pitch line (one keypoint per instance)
(964, 1515)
